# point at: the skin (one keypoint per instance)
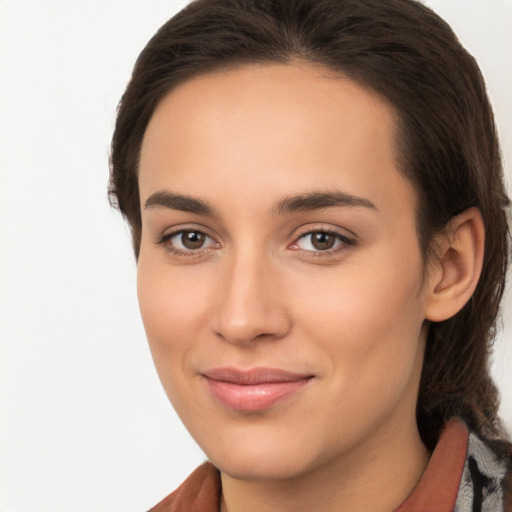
(259, 293)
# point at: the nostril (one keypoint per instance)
(255, 328)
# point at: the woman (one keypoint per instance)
(317, 207)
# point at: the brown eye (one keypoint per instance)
(322, 241)
(187, 241)
(193, 239)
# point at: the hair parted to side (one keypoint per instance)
(447, 146)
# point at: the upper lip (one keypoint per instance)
(253, 376)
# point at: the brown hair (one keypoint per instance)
(447, 143)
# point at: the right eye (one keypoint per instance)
(187, 241)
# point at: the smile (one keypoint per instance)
(253, 390)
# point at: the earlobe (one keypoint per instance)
(458, 266)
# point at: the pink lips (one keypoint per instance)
(255, 389)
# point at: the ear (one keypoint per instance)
(455, 273)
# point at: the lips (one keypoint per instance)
(253, 390)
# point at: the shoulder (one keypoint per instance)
(200, 492)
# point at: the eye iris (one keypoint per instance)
(192, 239)
(322, 241)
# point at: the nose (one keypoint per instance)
(250, 305)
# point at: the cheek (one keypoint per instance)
(371, 337)
(174, 309)
(368, 317)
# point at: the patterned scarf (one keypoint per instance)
(482, 484)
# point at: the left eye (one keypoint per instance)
(320, 241)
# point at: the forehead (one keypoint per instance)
(269, 127)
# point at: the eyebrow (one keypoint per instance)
(184, 203)
(297, 203)
(319, 200)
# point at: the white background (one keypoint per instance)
(84, 423)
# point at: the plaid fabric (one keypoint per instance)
(482, 486)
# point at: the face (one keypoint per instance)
(280, 274)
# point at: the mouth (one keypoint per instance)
(255, 389)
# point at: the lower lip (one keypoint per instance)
(254, 397)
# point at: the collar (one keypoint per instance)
(439, 485)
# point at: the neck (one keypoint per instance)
(377, 475)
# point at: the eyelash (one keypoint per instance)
(165, 242)
(345, 243)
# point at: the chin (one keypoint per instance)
(275, 460)
(267, 467)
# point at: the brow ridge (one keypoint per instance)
(182, 202)
(296, 203)
(319, 200)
